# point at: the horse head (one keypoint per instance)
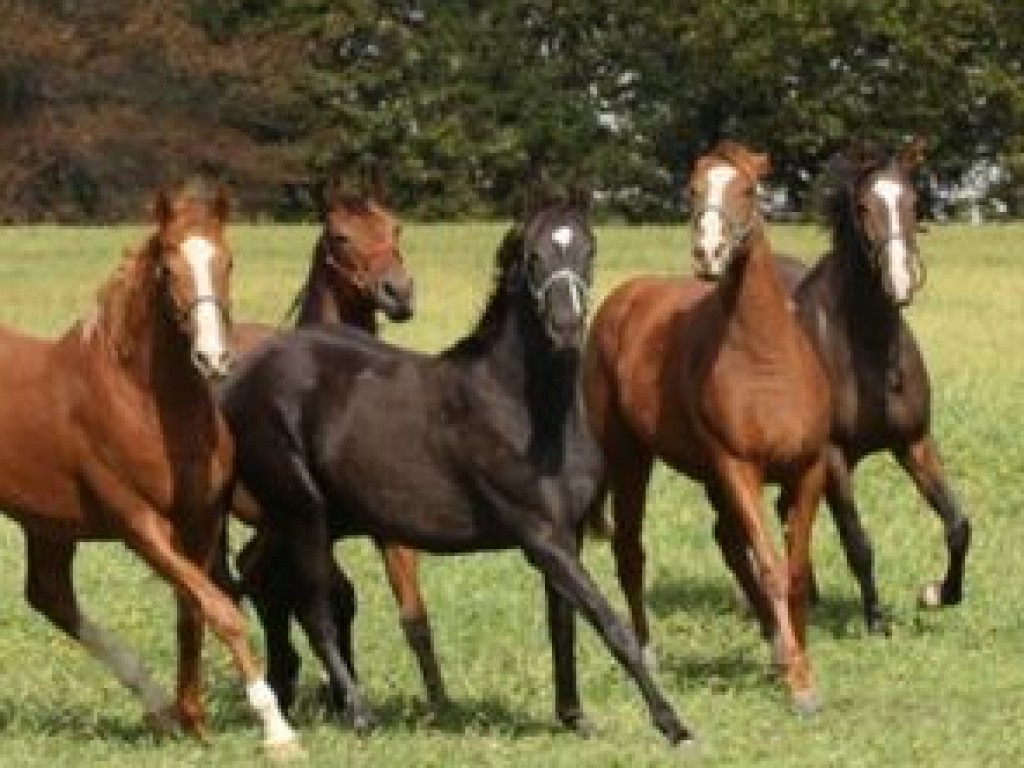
(723, 187)
(193, 266)
(359, 245)
(557, 259)
(880, 201)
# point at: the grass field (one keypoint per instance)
(946, 689)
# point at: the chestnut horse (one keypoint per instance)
(112, 432)
(356, 271)
(716, 378)
(849, 305)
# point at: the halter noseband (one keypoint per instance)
(737, 232)
(579, 289)
(358, 273)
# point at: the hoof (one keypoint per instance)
(363, 723)
(879, 626)
(163, 722)
(282, 751)
(578, 723)
(807, 703)
(650, 658)
(931, 596)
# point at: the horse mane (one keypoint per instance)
(124, 300)
(505, 281)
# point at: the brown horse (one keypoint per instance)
(356, 271)
(849, 305)
(111, 432)
(716, 378)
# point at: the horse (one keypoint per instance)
(483, 446)
(715, 377)
(850, 305)
(111, 432)
(356, 272)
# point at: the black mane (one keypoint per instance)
(842, 177)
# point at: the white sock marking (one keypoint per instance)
(276, 730)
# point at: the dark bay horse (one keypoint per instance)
(112, 432)
(849, 305)
(356, 272)
(716, 378)
(484, 446)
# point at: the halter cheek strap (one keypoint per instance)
(359, 273)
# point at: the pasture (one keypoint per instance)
(945, 689)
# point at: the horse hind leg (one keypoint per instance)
(921, 461)
(49, 589)
(401, 566)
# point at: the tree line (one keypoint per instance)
(461, 103)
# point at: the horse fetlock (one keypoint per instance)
(361, 719)
(575, 720)
(672, 727)
(163, 722)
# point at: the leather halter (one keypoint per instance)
(359, 274)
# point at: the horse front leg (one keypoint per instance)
(921, 461)
(741, 488)
(49, 589)
(856, 544)
(401, 566)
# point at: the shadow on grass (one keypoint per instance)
(839, 616)
(400, 711)
(78, 723)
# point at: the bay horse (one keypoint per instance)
(483, 446)
(849, 305)
(356, 272)
(112, 432)
(715, 377)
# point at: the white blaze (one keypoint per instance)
(563, 236)
(899, 255)
(209, 341)
(711, 227)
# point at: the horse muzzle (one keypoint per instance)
(213, 366)
(395, 297)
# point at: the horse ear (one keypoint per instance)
(162, 208)
(375, 186)
(912, 155)
(761, 164)
(222, 204)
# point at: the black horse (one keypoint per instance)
(485, 446)
(849, 304)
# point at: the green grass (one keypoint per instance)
(944, 690)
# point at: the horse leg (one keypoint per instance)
(264, 574)
(343, 613)
(628, 477)
(310, 574)
(783, 503)
(551, 549)
(741, 489)
(401, 566)
(150, 535)
(805, 494)
(732, 543)
(564, 572)
(562, 631)
(921, 461)
(854, 539)
(49, 589)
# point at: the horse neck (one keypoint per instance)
(143, 341)
(755, 303)
(324, 302)
(545, 381)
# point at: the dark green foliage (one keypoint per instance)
(463, 101)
